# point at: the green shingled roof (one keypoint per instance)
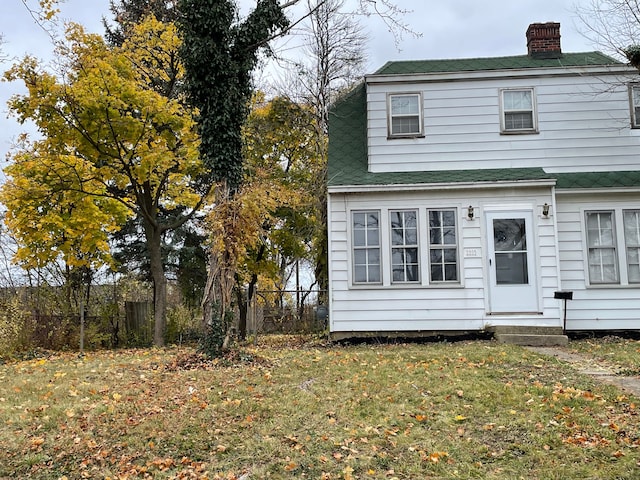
(348, 163)
(495, 63)
(598, 180)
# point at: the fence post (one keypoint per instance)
(82, 325)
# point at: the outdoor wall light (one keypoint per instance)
(545, 210)
(470, 212)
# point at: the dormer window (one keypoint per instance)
(518, 113)
(405, 115)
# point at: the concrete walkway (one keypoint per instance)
(591, 367)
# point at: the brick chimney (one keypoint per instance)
(543, 40)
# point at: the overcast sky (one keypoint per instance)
(449, 29)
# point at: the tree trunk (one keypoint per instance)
(243, 307)
(154, 243)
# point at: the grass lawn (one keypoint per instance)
(289, 409)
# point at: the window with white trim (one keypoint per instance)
(443, 246)
(601, 247)
(366, 246)
(405, 114)
(631, 221)
(405, 265)
(518, 113)
(634, 98)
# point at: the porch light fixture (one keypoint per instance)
(545, 210)
(470, 212)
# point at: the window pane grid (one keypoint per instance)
(635, 100)
(518, 120)
(631, 220)
(404, 241)
(366, 247)
(517, 110)
(602, 255)
(405, 114)
(443, 251)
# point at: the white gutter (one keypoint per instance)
(583, 191)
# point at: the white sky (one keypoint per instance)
(449, 28)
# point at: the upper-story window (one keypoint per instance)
(634, 96)
(518, 112)
(405, 115)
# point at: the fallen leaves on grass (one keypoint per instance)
(428, 411)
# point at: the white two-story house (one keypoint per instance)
(474, 193)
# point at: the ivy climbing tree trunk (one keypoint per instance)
(219, 54)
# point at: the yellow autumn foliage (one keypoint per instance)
(112, 145)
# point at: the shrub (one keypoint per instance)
(16, 328)
(184, 325)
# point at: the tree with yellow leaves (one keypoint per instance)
(112, 146)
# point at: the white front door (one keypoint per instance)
(512, 273)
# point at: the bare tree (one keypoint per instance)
(333, 58)
(612, 25)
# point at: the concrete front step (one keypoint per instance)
(533, 340)
(525, 330)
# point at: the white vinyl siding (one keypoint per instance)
(405, 115)
(581, 129)
(366, 247)
(596, 306)
(405, 266)
(518, 113)
(428, 305)
(443, 246)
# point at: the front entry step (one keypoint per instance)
(532, 340)
(529, 335)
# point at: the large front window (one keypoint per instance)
(366, 247)
(404, 246)
(443, 246)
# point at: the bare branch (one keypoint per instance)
(611, 25)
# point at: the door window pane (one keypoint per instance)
(510, 246)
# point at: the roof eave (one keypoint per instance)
(591, 191)
(501, 73)
(548, 182)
